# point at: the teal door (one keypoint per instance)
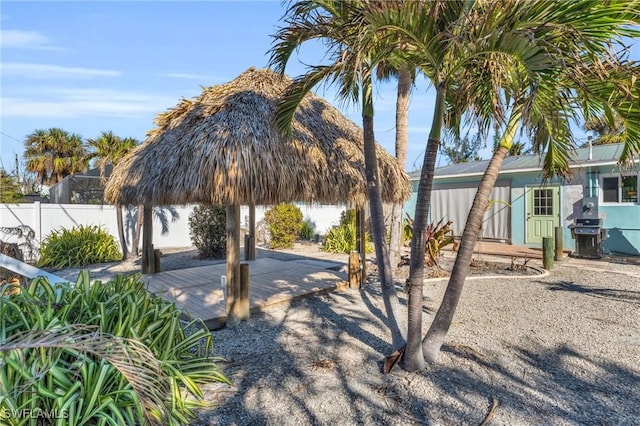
(543, 212)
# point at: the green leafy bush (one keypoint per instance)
(283, 222)
(342, 238)
(348, 216)
(307, 231)
(208, 231)
(94, 353)
(78, 246)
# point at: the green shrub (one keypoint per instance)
(283, 222)
(348, 216)
(307, 231)
(95, 353)
(81, 246)
(342, 238)
(208, 231)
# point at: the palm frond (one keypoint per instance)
(131, 358)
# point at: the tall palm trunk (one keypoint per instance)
(442, 321)
(135, 247)
(378, 231)
(123, 241)
(402, 141)
(413, 358)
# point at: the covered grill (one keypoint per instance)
(589, 234)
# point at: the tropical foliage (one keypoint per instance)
(438, 236)
(208, 230)
(343, 238)
(353, 56)
(307, 231)
(534, 65)
(605, 132)
(107, 150)
(94, 353)
(10, 191)
(78, 246)
(54, 153)
(462, 149)
(284, 222)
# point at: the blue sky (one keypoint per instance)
(92, 66)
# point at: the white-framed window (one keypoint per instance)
(618, 189)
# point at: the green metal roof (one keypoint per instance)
(601, 155)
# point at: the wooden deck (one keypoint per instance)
(199, 293)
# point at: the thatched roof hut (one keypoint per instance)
(223, 148)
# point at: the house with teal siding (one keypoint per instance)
(524, 208)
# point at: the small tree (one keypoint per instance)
(207, 228)
(9, 188)
(284, 222)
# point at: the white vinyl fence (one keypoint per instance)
(43, 218)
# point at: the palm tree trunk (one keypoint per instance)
(402, 141)
(135, 247)
(442, 321)
(123, 242)
(378, 231)
(413, 358)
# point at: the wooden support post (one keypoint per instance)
(147, 238)
(361, 230)
(559, 243)
(156, 261)
(354, 269)
(233, 265)
(547, 253)
(151, 260)
(252, 233)
(245, 282)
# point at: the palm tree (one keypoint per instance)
(53, 154)
(108, 150)
(583, 73)
(406, 77)
(427, 34)
(344, 27)
(450, 41)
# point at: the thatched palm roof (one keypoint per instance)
(223, 148)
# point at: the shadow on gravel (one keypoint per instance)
(318, 362)
(303, 368)
(629, 296)
(540, 386)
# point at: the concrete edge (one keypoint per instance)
(541, 273)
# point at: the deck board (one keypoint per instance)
(197, 291)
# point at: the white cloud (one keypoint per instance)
(79, 103)
(47, 71)
(186, 76)
(25, 40)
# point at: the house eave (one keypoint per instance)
(580, 165)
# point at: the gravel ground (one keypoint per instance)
(558, 350)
